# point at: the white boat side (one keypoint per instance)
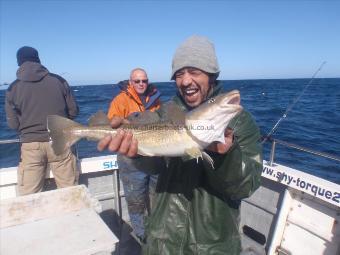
(293, 178)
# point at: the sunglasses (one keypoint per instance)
(140, 81)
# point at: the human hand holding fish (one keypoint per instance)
(123, 142)
(223, 148)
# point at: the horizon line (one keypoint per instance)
(247, 79)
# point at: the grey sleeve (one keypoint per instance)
(71, 102)
(11, 112)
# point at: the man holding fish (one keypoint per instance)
(203, 173)
(196, 210)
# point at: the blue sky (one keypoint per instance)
(94, 42)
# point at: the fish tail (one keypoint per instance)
(60, 131)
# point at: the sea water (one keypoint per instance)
(313, 122)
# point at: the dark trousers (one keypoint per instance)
(139, 189)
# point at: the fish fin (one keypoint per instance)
(59, 129)
(173, 113)
(207, 160)
(145, 117)
(193, 153)
(99, 119)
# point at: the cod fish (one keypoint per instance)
(184, 134)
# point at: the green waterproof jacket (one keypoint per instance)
(196, 209)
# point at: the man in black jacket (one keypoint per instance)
(35, 94)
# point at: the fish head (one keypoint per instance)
(208, 122)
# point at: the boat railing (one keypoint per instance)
(272, 151)
(9, 141)
(297, 147)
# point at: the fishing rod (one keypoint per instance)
(290, 106)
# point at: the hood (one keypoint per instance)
(123, 85)
(31, 71)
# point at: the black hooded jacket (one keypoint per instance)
(35, 94)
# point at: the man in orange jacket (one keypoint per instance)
(136, 95)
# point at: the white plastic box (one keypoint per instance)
(62, 221)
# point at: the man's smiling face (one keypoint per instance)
(193, 85)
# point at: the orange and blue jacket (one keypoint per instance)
(128, 102)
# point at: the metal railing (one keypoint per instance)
(272, 151)
(9, 141)
(297, 147)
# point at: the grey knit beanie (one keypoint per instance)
(196, 51)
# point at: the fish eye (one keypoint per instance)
(211, 100)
